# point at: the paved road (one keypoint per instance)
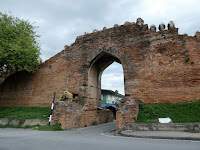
(90, 138)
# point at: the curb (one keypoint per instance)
(162, 137)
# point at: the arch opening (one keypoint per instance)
(112, 87)
(96, 69)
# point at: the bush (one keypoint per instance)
(178, 112)
(187, 59)
(94, 123)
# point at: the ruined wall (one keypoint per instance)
(158, 67)
(24, 89)
(73, 115)
(126, 114)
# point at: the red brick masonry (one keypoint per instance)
(158, 67)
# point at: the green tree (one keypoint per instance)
(19, 48)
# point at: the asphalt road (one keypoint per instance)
(89, 138)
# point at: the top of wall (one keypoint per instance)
(127, 27)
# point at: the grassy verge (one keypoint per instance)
(23, 113)
(178, 112)
(56, 127)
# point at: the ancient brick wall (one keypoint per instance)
(155, 67)
(73, 115)
(126, 114)
(158, 67)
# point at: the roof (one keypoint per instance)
(110, 91)
(108, 105)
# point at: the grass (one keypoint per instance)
(178, 112)
(23, 113)
(56, 127)
(192, 131)
(94, 123)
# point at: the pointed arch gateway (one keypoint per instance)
(155, 71)
(96, 68)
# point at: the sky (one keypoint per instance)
(61, 21)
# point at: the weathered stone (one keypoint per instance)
(31, 122)
(116, 25)
(95, 30)
(197, 35)
(171, 25)
(145, 27)
(127, 23)
(104, 28)
(76, 117)
(139, 22)
(4, 121)
(66, 46)
(153, 28)
(14, 122)
(161, 26)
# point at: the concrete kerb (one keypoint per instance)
(27, 122)
(162, 135)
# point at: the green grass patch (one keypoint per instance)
(94, 123)
(178, 112)
(23, 113)
(9, 126)
(56, 127)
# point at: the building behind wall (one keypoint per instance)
(109, 98)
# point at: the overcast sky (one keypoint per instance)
(61, 21)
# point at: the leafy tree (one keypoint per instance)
(19, 49)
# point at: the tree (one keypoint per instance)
(19, 48)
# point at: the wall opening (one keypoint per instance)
(113, 78)
(95, 80)
(112, 87)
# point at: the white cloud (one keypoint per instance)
(113, 78)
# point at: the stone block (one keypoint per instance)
(4, 121)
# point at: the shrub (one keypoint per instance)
(187, 59)
(178, 112)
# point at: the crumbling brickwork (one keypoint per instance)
(126, 114)
(73, 115)
(158, 67)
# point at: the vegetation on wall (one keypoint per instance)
(187, 59)
(81, 100)
(178, 112)
(66, 96)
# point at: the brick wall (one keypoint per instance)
(73, 115)
(158, 67)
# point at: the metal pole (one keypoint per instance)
(52, 106)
